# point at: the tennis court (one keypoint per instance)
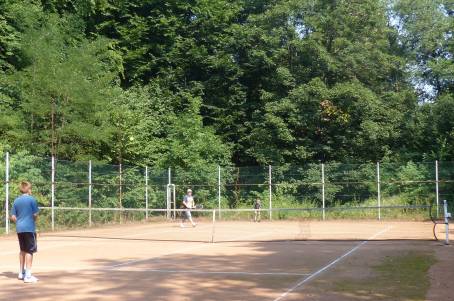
(278, 260)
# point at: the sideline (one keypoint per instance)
(332, 263)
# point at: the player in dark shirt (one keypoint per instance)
(257, 207)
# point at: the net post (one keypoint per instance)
(7, 193)
(146, 192)
(270, 192)
(378, 191)
(120, 189)
(174, 201)
(437, 194)
(213, 225)
(219, 191)
(169, 192)
(53, 192)
(90, 188)
(168, 201)
(323, 191)
(447, 215)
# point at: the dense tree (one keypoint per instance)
(191, 83)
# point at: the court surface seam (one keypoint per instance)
(332, 263)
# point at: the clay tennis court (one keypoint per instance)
(279, 260)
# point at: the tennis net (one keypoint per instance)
(236, 225)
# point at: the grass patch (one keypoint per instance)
(402, 277)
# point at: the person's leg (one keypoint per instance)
(21, 273)
(29, 278)
(22, 247)
(190, 218)
(21, 261)
(183, 219)
(32, 248)
(28, 264)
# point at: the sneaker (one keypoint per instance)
(194, 224)
(30, 279)
(181, 226)
(20, 276)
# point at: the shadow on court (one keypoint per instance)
(230, 271)
(8, 275)
(321, 241)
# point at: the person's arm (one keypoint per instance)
(35, 209)
(185, 202)
(13, 217)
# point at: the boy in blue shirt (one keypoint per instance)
(24, 213)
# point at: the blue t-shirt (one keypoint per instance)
(24, 208)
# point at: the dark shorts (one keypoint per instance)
(28, 242)
(186, 215)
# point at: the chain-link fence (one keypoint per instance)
(86, 193)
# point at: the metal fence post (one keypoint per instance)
(120, 185)
(447, 216)
(174, 202)
(219, 191)
(270, 188)
(90, 187)
(169, 194)
(120, 195)
(378, 191)
(146, 192)
(53, 192)
(323, 191)
(7, 193)
(437, 194)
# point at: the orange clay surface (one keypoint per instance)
(161, 261)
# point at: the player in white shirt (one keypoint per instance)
(188, 203)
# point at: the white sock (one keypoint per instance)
(28, 272)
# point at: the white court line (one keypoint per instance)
(194, 247)
(315, 274)
(55, 268)
(77, 243)
(45, 268)
(218, 272)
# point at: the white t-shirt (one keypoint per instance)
(188, 200)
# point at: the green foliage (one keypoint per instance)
(196, 84)
(397, 276)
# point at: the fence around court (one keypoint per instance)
(103, 193)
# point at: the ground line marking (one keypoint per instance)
(332, 263)
(93, 239)
(198, 246)
(221, 272)
(169, 271)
